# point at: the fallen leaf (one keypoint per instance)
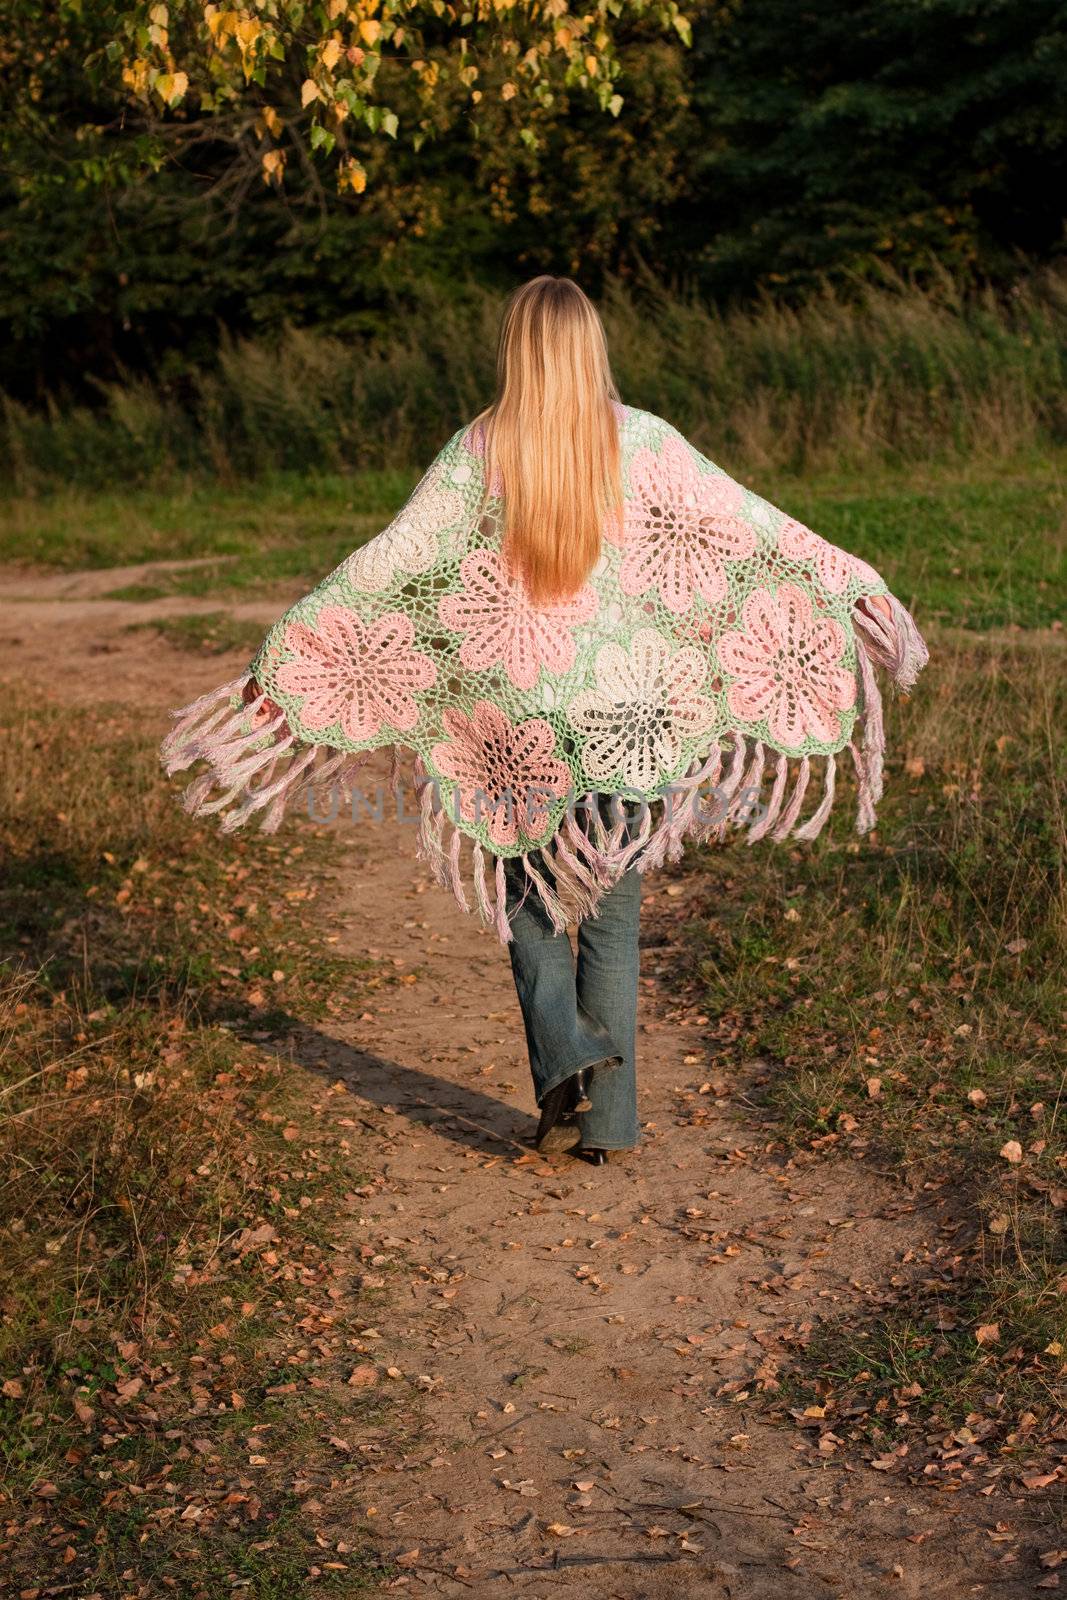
(1012, 1150)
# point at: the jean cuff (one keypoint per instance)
(609, 1062)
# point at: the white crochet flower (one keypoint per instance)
(409, 545)
(646, 706)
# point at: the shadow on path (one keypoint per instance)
(466, 1116)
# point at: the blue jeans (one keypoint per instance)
(578, 1015)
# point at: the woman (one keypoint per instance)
(593, 644)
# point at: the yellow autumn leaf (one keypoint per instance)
(352, 176)
(273, 120)
(159, 15)
(508, 91)
(370, 30)
(331, 54)
(221, 23)
(247, 31)
(273, 166)
(591, 65)
(135, 77)
(309, 91)
(170, 86)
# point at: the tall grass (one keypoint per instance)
(893, 373)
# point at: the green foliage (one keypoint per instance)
(780, 151)
(886, 131)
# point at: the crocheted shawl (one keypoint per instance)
(712, 667)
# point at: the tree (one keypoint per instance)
(284, 79)
(843, 133)
(131, 226)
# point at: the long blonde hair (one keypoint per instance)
(552, 436)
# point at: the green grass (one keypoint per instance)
(979, 547)
(72, 529)
(210, 633)
(908, 993)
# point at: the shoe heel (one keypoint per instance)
(582, 1078)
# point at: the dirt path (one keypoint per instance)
(579, 1357)
(587, 1339)
(60, 631)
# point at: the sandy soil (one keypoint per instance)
(588, 1352)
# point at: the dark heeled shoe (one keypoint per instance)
(557, 1129)
(595, 1158)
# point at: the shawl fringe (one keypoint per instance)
(256, 767)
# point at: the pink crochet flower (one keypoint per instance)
(681, 525)
(785, 663)
(834, 567)
(356, 674)
(503, 625)
(505, 772)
